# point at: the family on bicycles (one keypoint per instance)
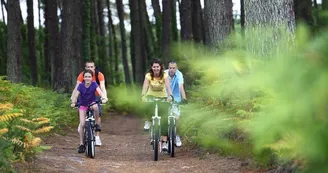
(87, 91)
(159, 83)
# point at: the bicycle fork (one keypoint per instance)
(156, 128)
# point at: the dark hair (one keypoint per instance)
(161, 73)
(89, 61)
(88, 71)
(172, 62)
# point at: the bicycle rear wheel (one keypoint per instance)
(171, 138)
(90, 141)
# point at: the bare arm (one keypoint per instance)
(145, 87)
(75, 96)
(75, 89)
(168, 88)
(182, 91)
(103, 89)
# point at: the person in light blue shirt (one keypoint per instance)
(176, 82)
(178, 92)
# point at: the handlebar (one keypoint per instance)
(156, 99)
(91, 104)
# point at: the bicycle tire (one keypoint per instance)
(90, 141)
(156, 142)
(171, 138)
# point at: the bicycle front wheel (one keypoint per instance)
(90, 141)
(156, 142)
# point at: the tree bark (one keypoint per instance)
(120, 12)
(242, 15)
(102, 51)
(110, 44)
(67, 49)
(303, 11)
(197, 21)
(53, 42)
(14, 42)
(94, 32)
(174, 27)
(31, 42)
(264, 21)
(186, 20)
(158, 18)
(324, 4)
(86, 34)
(218, 20)
(166, 30)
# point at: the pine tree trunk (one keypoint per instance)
(47, 63)
(102, 51)
(166, 30)
(242, 15)
(77, 59)
(263, 22)
(53, 44)
(197, 19)
(120, 12)
(303, 11)
(218, 21)
(67, 48)
(158, 18)
(324, 4)
(148, 34)
(31, 42)
(186, 20)
(14, 42)
(86, 34)
(174, 27)
(94, 32)
(110, 44)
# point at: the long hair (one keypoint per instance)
(161, 73)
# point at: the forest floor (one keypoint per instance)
(126, 148)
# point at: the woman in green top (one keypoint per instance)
(157, 84)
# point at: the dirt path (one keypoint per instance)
(125, 149)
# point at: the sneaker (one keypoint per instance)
(178, 142)
(147, 126)
(165, 146)
(81, 148)
(98, 141)
(97, 128)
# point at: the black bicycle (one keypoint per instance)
(89, 131)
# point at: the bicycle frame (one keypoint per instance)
(155, 130)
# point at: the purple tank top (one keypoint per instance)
(87, 95)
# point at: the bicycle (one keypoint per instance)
(89, 131)
(155, 129)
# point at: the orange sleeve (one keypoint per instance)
(101, 77)
(80, 77)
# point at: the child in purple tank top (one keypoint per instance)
(86, 91)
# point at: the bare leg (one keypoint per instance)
(82, 124)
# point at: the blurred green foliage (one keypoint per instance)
(270, 106)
